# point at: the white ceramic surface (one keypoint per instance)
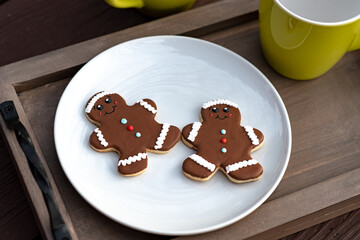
(322, 12)
(179, 74)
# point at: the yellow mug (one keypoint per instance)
(154, 8)
(303, 39)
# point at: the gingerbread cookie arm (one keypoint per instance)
(190, 133)
(166, 138)
(98, 141)
(259, 135)
(148, 105)
(256, 137)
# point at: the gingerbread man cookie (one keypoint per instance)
(130, 131)
(221, 143)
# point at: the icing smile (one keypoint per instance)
(111, 111)
(221, 118)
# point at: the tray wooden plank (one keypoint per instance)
(33, 192)
(46, 92)
(322, 179)
(268, 220)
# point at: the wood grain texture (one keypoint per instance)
(30, 28)
(14, 209)
(345, 227)
(27, 72)
(323, 115)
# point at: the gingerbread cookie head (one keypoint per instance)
(221, 110)
(103, 105)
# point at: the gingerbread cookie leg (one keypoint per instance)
(133, 164)
(243, 171)
(167, 138)
(198, 168)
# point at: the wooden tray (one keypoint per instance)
(323, 177)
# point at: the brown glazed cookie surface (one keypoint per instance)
(130, 131)
(222, 143)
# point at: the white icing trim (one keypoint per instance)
(194, 131)
(95, 98)
(147, 106)
(161, 138)
(252, 135)
(219, 101)
(132, 159)
(201, 161)
(238, 165)
(101, 138)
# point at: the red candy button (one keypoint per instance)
(130, 127)
(223, 140)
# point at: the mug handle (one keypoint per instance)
(356, 43)
(125, 3)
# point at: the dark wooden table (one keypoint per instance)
(29, 28)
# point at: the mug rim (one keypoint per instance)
(344, 22)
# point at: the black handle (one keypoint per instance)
(58, 227)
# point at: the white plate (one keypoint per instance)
(179, 74)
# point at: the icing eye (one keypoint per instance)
(99, 107)
(215, 110)
(226, 109)
(108, 100)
